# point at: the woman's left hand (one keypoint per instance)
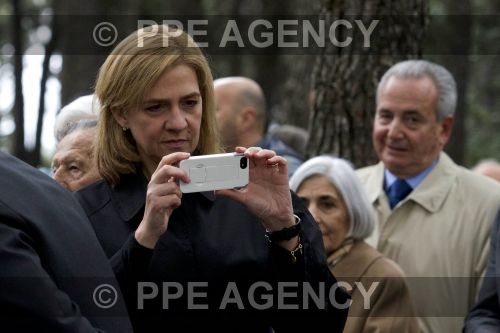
(267, 194)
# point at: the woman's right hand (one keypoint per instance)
(163, 196)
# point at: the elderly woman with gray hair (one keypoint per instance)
(334, 196)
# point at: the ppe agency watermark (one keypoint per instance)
(269, 34)
(254, 34)
(259, 295)
(281, 33)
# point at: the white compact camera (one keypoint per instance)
(215, 172)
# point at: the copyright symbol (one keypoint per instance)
(105, 296)
(105, 34)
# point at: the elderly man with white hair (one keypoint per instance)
(83, 108)
(76, 128)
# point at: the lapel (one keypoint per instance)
(434, 189)
(375, 184)
(355, 264)
(129, 196)
(430, 194)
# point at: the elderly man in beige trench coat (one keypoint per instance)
(434, 217)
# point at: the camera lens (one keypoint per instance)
(243, 163)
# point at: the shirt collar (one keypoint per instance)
(414, 181)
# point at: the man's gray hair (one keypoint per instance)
(342, 176)
(444, 81)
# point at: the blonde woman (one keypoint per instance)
(157, 108)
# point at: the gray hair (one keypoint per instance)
(341, 175)
(85, 107)
(444, 81)
(82, 124)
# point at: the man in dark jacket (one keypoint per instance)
(54, 276)
(485, 315)
(242, 117)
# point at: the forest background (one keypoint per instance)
(48, 58)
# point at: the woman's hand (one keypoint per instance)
(267, 194)
(163, 196)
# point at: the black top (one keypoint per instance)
(212, 244)
(51, 263)
(485, 315)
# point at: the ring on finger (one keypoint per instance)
(256, 149)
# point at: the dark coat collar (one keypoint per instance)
(129, 197)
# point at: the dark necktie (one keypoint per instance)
(398, 191)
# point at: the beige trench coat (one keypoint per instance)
(439, 235)
(389, 307)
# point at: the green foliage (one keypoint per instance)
(483, 107)
(480, 144)
(482, 99)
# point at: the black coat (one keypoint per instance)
(485, 315)
(214, 241)
(50, 260)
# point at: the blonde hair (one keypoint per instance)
(132, 68)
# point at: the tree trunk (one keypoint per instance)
(345, 79)
(294, 104)
(459, 66)
(18, 148)
(34, 156)
(80, 70)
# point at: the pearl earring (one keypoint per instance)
(124, 129)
